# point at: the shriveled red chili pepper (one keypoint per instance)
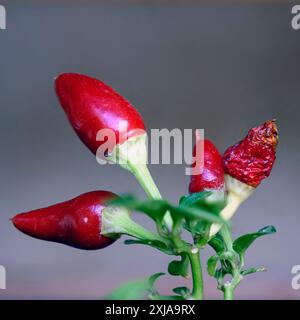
(212, 175)
(251, 160)
(77, 222)
(91, 105)
(246, 164)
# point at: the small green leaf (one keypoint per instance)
(192, 213)
(152, 279)
(220, 274)
(213, 201)
(216, 201)
(241, 244)
(252, 270)
(152, 292)
(160, 297)
(193, 198)
(179, 267)
(153, 243)
(212, 264)
(134, 290)
(155, 209)
(216, 242)
(200, 230)
(184, 292)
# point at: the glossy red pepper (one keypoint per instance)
(212, 175)
(76, 222)
(91, 105)
(251, 160)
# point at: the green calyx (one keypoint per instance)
(132, 156)
(116, 221)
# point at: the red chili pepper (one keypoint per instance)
(91, 105)
(76, 222)
(251, 160)
(212, 175)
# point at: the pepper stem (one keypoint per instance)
(132, 156)
(143, 176)
(117, 220)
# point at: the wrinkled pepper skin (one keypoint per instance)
(76, 222)
(212, 176)
(251, 160)
(91, 105)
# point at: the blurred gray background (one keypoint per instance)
(222, 67)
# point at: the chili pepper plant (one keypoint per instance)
(97, 219)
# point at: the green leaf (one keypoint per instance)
(216, 242)
(200, 230)
(252, 270)
(152, 292)
(212, 264)
(152, 279)
(220, 274)
(193, 198)
(161, 297)
(216, 201)
(184, 292)
(179, 267)
(208, 203)
(135, 290)
(191, 213)
(153, 243)
(241, 244)
(213, 201)
(155, 209)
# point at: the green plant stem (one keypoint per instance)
(228, 292)
(143, 176)
(117, 221)
(136, 230)
(229, 287)
(197, 275)
(226, 235)
(132, 155)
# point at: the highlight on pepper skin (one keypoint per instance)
(76, 222)
(91, 105)
(94, 220)
(212, 176)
